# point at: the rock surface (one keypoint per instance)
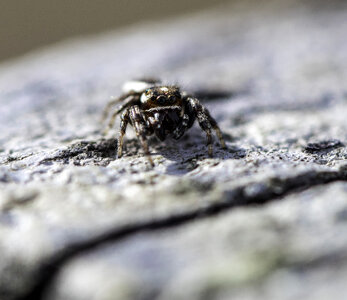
(265, 218)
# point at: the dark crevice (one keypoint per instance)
(104, 148)
(10, 158)
(323, 146)
(257, 193)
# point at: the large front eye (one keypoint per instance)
(172, 99)
(161, 99)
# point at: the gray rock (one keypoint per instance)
(76, 222)
(291, 249)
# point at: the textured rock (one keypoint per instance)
(291, 249)
(77, 222)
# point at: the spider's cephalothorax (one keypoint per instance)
(162, 110)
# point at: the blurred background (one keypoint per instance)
(26, 25)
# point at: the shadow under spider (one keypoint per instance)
(186, 159)
(186, 153)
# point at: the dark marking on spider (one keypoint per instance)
(163, 110)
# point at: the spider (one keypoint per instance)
(162, 110)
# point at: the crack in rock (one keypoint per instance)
(257, 193)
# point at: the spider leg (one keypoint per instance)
(155, 121)
(219, 135)
(206, 126)
(216, 129)
(109, 105)
(141, 129)
(182, 127)
(123, 127)
(206, 122)
(127, 101)
(184, 124)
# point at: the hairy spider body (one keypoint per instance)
(162, 110)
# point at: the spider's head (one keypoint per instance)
(161, 96)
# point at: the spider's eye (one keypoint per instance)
(172, 99)
(148, 93)
(161, 99)
(146, 96)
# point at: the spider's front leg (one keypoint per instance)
(111, 103)
(138, 121)
(128, 100)
(184, 124)
(206, 122)
(123, 127)
(155, 122)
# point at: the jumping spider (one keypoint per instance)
(152, 108)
